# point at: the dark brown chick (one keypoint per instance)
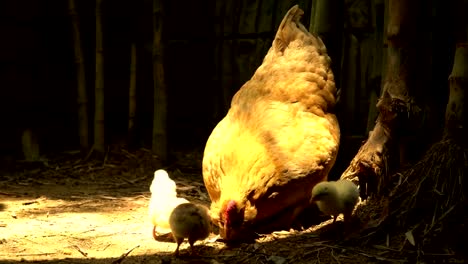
(191, 221)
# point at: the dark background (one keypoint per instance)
(38, 75)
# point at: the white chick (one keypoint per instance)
(190, 221)
(336, 197)
(163, 201)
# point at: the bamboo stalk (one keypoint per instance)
(159, 144)
(132, 95)
(99, 85)
(81, 80)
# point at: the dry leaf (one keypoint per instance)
(277, 259)
(410, 237)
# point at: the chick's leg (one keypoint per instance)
(154, 233)
(191, 242)
(179, 241)
(348, 227)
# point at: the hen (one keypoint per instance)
(163, 200)
(278, 140)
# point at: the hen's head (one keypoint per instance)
(232, 218)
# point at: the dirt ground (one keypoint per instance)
(65, 210)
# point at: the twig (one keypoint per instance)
(128, 154)
(306, 254)
(106, 156)
(361, 252)
(440, 219)
(107, 197)
(391, 249)
(81, 251)
(34, 201)
(86, 231)
(35, 254)
(138, 179)
(124, 255)
(89, 153)
(334, 257)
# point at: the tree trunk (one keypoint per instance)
(30, 144)
(159, 145)
(372, 163)
(99, 85)
(376, 69)
(132, 96)
(455, 120)
(81, 80)
(219, 107)
(326, 20)
(349, 92)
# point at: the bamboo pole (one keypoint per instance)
(132, 95)
(81, 80)
(30, 144)
(159, 144)
(99, 85)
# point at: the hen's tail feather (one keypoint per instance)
(291, 29)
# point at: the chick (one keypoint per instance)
(190, 221)
(335, 198)
(163, 201)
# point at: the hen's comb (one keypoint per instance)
(231, 206)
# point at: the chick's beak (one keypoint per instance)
(312, 199)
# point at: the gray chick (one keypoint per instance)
(190, 221)
(336, 197)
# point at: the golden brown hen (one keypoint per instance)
(278, 140)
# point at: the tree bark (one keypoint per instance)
(376, 69)
(99, 85)
(30, 144)
(372, 164)
(326, 20)
(132, 96)
(159, 144)
(81, 80)
(455, 120)
(219, 108)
